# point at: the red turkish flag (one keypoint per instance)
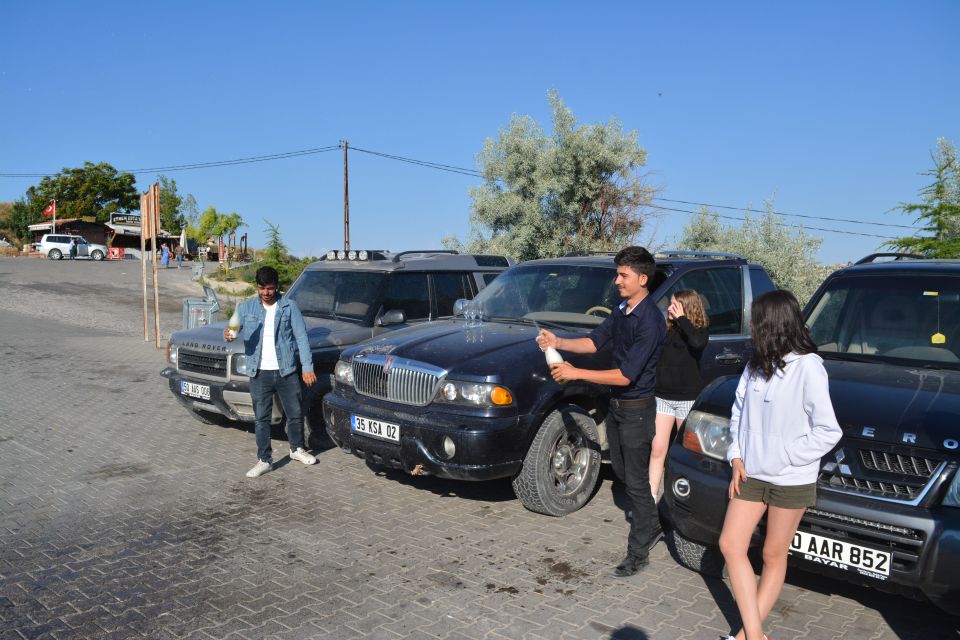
(51, 209)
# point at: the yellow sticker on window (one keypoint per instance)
(931, 293)
(938, 338)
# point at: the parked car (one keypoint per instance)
(477, 402)
(56, 246)
(346, 297)
(888, 506)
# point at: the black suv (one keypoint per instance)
(888, 506)
(345, 298)
(473, 399)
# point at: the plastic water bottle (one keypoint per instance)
(553, 357)
(234, 324)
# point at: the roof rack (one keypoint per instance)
(896, 256)
(396, 257)
(699, 254)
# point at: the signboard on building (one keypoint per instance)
(131, 219)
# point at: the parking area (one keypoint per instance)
(122, 517)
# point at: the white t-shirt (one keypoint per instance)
(268, 355)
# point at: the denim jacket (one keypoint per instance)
(290, 335)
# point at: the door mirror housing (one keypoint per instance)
(391, 317)
(459, 306)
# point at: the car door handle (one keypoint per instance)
(728, 357)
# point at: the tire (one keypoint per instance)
(704, 559)
(55, 254)
(561, 468)
(97, 255)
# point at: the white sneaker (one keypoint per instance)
(302, 456)
(259, 469)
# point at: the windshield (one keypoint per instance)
(913, 318)
(343, 295)
(565, 294)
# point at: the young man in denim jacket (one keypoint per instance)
(274, 335)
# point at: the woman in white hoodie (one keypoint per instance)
(782, 423)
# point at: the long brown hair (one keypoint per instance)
(777, 328)
(692, 308)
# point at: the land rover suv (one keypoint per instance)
(346, 297)
(471, 398)
(888, 505)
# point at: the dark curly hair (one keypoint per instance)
(778, 329)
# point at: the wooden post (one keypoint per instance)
(154, 220)
(144, 221)
(346, 200)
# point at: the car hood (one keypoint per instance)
(497, 352)
(321, 333)
(896, 404)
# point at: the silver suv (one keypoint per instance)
(55, 246)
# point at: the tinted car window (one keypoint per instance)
(337, 294)
(409, 293)
(759, 282)
(721, 290)
(449, 287)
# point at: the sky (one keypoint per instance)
(832, 109)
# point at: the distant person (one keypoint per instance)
(274, 335)
(178, 252)
(73, 248)
(165, 256)
(678, 374)
(634, 334)
(782, 423)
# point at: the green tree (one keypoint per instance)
(277, 256)
(575, 190)
(939, 211)
(786, 254)
(172, 218)
(19, 216)
(214, 223)
(94, 190)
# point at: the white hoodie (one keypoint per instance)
(781, 427)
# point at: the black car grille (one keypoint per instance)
(396, 379)
(208, 364)
(903, 543)
(886, 474)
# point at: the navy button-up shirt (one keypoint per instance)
(635, 340)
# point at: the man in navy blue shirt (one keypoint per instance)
(634, 334)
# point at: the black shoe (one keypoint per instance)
(630, 565)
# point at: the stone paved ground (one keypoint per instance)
(122, 517)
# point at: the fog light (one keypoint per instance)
(341, 255)
(681, 487)
(331, 255)
(352, 255)
(363, 255)
(448, 447)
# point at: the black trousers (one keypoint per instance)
(631, 426)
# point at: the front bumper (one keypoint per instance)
(924, 543)
(227, 398)
(485, 447)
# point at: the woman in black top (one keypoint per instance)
(678, 374)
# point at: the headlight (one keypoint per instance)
(708, 434)
(343, 373)
(474, 394)
(172, 353)
(952, 499)
(240, 364)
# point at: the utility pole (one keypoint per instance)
(346, 199)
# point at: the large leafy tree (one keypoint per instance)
(94, 190)
(214, 223)
(787, 254)
(939, 209)
(574, 190)
(172, 218)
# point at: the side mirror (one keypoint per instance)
(460, 306)
(394, 316)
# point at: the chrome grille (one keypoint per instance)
(881, 474)
(396, 379)
(898, 463)
(206, 363)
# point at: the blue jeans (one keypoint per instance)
(630, 431)
(262, 388)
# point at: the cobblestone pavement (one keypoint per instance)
(122, 517)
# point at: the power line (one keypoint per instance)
(423, 163)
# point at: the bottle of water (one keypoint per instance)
(553, 357)
(234, 324)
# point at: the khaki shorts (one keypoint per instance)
(774, 495)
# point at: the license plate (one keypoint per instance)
(201, 391)
(842, 555)
(375, 428)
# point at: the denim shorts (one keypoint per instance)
(676, 408)
(775, 495)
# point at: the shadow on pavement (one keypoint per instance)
(628, 633)
(486, 491)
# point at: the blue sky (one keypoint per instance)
(831, 107)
